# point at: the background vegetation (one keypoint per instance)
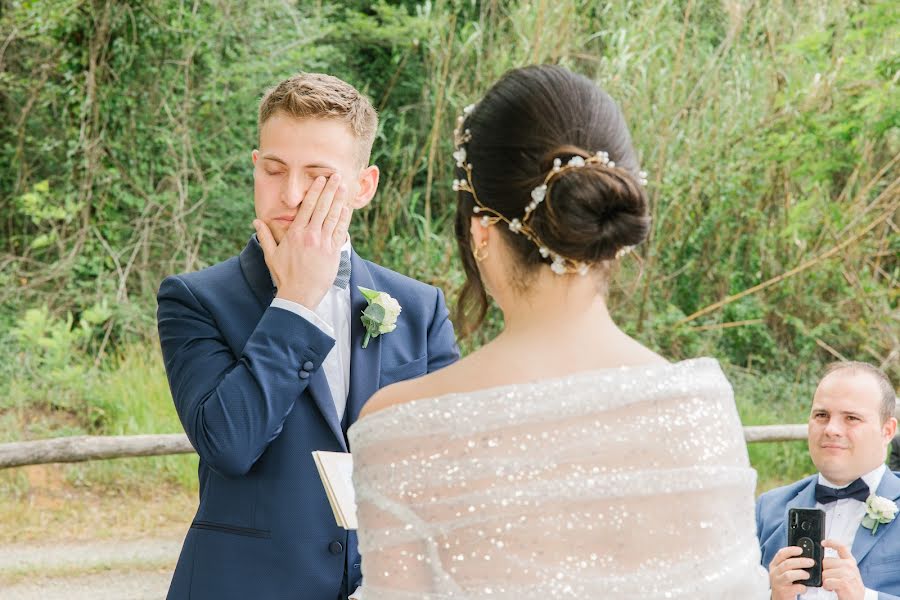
(771, 131)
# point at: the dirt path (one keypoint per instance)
(58, 541)
(133, 569)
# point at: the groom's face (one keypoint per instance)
(847, 436)
(292, 153)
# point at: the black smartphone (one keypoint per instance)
(806, 529)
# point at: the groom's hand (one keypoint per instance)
(786, 573)
(841, 575)
(305, 262)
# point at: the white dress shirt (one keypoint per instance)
(842, 521)
(332, 316)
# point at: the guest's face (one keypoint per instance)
(847, 437)
(292, 154)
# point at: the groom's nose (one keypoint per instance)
(293, 190)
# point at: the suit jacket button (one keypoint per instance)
(304, 374)
(335, 547)
(308, 366)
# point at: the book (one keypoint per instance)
(336, 472)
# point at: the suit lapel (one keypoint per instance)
(864, 540)
(321, 395)
(253, 265)
(365, 363)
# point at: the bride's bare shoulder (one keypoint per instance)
(441, 382)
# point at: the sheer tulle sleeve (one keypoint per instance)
(617, 484)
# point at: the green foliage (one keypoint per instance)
(771, 133)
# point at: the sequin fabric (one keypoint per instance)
(613, 484)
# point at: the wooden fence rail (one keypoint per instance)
(87, 447)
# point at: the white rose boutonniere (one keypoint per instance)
(381, 314)
(879, 511)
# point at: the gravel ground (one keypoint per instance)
(121, 570)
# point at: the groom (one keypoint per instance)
(850, 426)
(265, 358)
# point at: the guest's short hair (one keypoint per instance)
(320, 96)
(888, 395)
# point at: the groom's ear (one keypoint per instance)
(368, 184)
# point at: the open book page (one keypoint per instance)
(336, 472)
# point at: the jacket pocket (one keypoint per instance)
(404, 371)
(232, 529)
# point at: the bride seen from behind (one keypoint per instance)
(563, 458)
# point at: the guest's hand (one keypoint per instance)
(841, 575)
(786, 572)
(305, 262)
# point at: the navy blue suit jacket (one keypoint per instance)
(254, 402)
(878, 556)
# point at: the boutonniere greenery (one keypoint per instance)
(380, 315)
(879, 511)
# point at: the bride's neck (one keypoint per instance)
(555, 310)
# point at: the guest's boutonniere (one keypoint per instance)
(381, 314)
(879, 511)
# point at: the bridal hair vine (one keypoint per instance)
(559, 264)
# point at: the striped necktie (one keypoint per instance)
(343, 275)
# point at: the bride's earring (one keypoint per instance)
(480, 253)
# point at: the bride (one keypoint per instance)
(563, 459)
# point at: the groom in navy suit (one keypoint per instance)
(851, 425)
(265, 359)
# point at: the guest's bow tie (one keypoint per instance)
(343, 275)
(858, 490)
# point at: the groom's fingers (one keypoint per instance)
(334, 215)
(324, 203)
(308, 205)
(340, 230)
(268, 245)
(264, 235)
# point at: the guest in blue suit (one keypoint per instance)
(851, 425)
(266, 359)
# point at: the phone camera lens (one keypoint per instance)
(804, 525)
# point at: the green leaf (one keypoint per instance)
(367, 293)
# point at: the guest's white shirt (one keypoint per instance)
(332, 316)
(842, 521)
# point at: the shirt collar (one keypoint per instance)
(872, 479)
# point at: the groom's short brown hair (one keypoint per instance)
(320, 96)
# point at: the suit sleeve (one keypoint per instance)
(231, 406)
(886, 596)
(442, 348)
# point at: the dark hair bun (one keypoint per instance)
(527, 119)
(592, 212)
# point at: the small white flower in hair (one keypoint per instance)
(515, 226)
(557, 266)
(468, 110)
(621, 252)
(576, 161)
(557, 164)
(544, 252)
(460, 156)
(583, 269)
(485, 221)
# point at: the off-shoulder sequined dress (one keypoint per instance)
(613, 484)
